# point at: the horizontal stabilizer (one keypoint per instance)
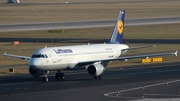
(138, 47)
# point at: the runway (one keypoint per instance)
(85, 24)
(137, 83)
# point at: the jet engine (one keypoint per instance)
(95, 69)
(35, 73)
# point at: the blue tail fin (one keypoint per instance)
(117, 35)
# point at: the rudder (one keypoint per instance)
(117, 35)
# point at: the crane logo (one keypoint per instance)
(120, 27)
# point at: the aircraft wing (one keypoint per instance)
(147, 55)
(17, 56)
(129, 57)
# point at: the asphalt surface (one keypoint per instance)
(85, 24)
(149, 82)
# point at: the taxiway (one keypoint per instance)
(160, 81)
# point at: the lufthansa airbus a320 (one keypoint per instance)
(93, 57)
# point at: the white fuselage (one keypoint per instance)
(57, 58)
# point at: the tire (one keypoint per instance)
(100, 77)
(95, 77)
(45, 79)
(62, 76)
(57, 76)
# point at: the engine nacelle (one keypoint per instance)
(35, 73)
(95, 69)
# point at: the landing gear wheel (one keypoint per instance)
(45, 79)
(57, 76)
(100, 77)
(95, 77)
(60, 76)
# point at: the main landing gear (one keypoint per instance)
(59, 75)
(98, 77)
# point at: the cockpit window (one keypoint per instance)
(40, 56)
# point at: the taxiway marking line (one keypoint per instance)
(16, 84)
(136, 88)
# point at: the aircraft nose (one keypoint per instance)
(34, 63)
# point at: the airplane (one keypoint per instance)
(92, 57)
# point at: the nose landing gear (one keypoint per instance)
(45, 78)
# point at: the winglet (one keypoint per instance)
(176, 53)
(4, 54)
